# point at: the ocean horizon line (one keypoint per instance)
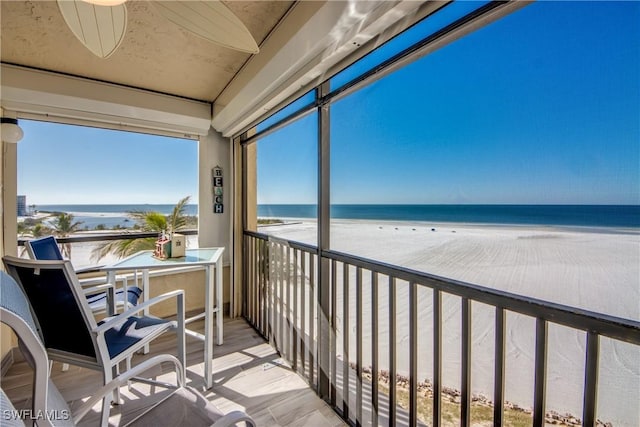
(606, 215)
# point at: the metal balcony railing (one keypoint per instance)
(99, 237)
(285, 304)
(83, 262)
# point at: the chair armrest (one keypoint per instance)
(91, 281)
(122, 317)
(122, 379)
(233, 418)
(90, 269)
(97, 289)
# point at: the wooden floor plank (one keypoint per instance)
(248, 375)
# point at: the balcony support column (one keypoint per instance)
(9, 197)
(325, 329)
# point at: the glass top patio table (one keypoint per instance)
(208, 258)
(144, 259)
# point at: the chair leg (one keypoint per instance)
(116, 392)
(181, 342)
(128, 368)
(106, 401)
(106, 407)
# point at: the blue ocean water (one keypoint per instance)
(626, 216)
(561, 215)
(165, 209)
(110, 216)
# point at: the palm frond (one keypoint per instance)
(122, 248)
(148, 220)
(177, 219)
(155, 221)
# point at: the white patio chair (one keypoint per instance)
(182, 406)
(69, 330)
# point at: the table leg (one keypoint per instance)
(111, 305)
(219, 302)
(145, 292)
(125, 286)
(208, 328)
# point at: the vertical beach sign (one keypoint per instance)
(217, 182)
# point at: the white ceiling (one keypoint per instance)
(154, 55)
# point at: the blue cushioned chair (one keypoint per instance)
(183, 406)
(69, 330)
(46, 248)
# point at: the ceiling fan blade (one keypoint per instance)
(100, 29)
(211, 20)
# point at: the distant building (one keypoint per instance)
(22, 206)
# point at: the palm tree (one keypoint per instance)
(63, 226)
(148, 221)
(40, 230)
(28, 229)
(22, 228)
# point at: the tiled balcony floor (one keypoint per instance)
(248, 375)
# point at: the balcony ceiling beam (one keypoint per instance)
(313, 41)
(49, 96)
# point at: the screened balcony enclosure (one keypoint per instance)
(429, 211)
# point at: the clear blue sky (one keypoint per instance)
(542, 106)
(62, 164)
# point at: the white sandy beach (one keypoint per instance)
(597, 270)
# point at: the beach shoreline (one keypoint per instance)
(453, 225)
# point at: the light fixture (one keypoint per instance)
(105, 2)
(10, 131)
(100, 25)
